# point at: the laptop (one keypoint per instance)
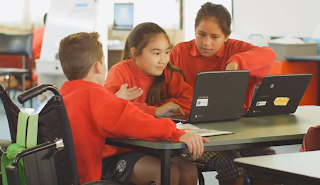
(278, 94)
(218, 96)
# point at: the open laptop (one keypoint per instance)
(218, 96)
(278, 94)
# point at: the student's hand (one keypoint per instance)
(194, 143)
(129, 93)
(168, 109)
(232, 66)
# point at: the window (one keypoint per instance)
(123, 16)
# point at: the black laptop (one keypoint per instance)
(278, 94)
(218, 96)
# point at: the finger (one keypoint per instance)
(137, 91)
(134, 95)
(205, 140)
(170, 114)
(190, 148)
(201, 147)
(177, 109)
(180, 111)
(194, 148)
(138, 94)
(198, 145)
(124, 86)
(132, 89)
(174, 107)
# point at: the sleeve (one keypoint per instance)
(178, 90)
(121, 119)
(115, 79)
(258, 60)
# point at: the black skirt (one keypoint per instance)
(119, 167)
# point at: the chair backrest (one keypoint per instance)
(53, 123)
(17, 45)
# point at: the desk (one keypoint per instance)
(315, 58)
(294, 169)
(249, 133)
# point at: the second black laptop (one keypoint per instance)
(278, 94)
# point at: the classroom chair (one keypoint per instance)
(201, 168)
(17, 45)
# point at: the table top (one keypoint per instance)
(303, 58)
(303, 163)
(246, 130)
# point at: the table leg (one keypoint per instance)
(165, 167)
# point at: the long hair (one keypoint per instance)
(139, 38)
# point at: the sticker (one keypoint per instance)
(281, 101)
(202, 103)
(261, 103)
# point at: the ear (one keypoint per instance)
(98, 67)
(132, 51)
(227, 38)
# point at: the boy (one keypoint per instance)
(95, 114)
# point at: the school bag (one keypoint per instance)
(27, 133)
(311, 140)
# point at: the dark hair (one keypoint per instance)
(78, 52)
(218, 12)
(139, 38)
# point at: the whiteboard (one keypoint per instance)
(297, 18)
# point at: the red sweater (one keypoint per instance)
(175, 89)
(258, 60)
(95, 115)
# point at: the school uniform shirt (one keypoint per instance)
(175, 88)
(258, 60)
(95, 114)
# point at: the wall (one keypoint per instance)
(175, 36)
(165, 13)
(276, 17)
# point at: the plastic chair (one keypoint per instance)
(201, 168)
(17, 45)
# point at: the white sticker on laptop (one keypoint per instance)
(202, 103)
(261, 103)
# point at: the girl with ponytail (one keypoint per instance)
(146, 65)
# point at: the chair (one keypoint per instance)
(201, 168)
(17, 45)
(52, 161)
